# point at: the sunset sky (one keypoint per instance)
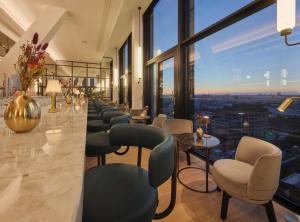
(247, 57)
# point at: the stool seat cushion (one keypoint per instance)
(93, 116)
(118, 193)
(232, 176)
(90, 111)
(97, 126)
(98, 144)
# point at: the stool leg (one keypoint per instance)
(270, 211)
(98, 160)
(103, 160)
(225, 202)
(139, 161)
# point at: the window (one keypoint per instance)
(238, 77)
(203, 13)
(164, 27)
(125, 72)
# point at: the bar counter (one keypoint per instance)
(41, 172)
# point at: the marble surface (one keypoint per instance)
(41, 172)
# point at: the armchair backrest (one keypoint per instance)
(162, 157)
(266, 159)
(178, 126)
(158, 121)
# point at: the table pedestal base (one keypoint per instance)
(207, 190)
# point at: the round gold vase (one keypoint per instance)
(22, 114)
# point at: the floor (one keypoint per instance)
(192, 206)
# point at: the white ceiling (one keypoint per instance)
(92, 29)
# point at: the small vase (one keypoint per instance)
(22, 114)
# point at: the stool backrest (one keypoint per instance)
(125, 118)
(158, 121)
(162, 157)
(108, 114)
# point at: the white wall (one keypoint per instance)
(46, 25)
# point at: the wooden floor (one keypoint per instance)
(192, 206)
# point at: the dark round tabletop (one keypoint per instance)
(190, 139)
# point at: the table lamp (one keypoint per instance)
(53, 87)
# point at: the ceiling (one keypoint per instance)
(91, 30)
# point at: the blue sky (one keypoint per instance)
(247, 57)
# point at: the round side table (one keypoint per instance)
(206, 143)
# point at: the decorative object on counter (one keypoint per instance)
(22, 114)
(199, 133)
(77, 93)
(53, 87)
(31, 61)
(67, 84)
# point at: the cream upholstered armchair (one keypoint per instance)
(158, 120)
(177, 127)
(253, 176)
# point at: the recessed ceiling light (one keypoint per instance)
(83, 42)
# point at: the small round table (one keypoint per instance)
(206, 143)
(140, 119)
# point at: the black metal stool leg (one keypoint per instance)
(98, 160)
(225, 202)
(139, 161)
(270, 211)
(103, 160)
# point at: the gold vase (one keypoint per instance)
(22, 114)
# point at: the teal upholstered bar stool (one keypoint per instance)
(123, 192)
(98, 144)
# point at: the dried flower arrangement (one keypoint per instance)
(31, 61)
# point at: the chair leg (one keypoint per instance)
(103, 160)
(188, 157)
(270, 211)
(225, 202)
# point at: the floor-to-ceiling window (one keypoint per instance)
(162, 26)
(236, 69)
(239, 77)
(125, 72)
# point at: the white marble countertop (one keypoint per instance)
(41, 174)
